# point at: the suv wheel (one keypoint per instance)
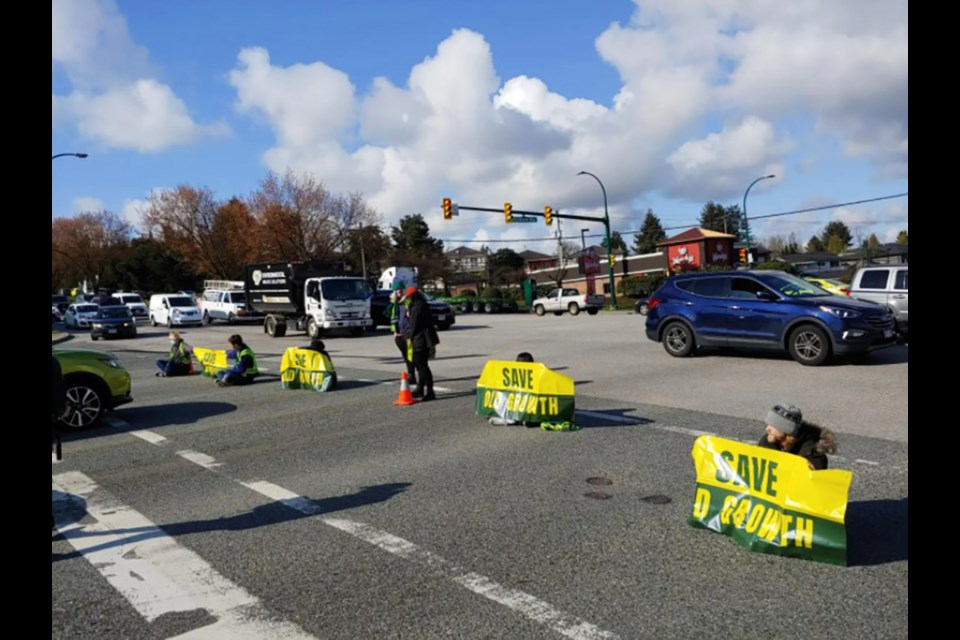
(678, 340)
(809, 345)
(87, 400)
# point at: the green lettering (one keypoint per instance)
(771, 478)
(759, 472)
(506, 377)
(724, 472)
(743, 471)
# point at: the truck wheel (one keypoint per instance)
(231, 319)
(281, 329)
(312, 329)
(488, 308)
(153, 321)
(539, 310)
(206, 318)
(464, 307)
(593, 311)
(270, 326)
(574, 308)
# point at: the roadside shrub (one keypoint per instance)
(491, 293)
(639, 286)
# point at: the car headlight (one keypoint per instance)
(841, 313)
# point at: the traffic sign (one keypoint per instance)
(524, 219)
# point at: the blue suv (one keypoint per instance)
(764, 309)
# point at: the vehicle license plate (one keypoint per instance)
(441, 318)
(888, 333)
(111, 330)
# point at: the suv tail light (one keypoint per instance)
(652, 302)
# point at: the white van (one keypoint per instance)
(134, 302)
(173, 310)
(226, 300)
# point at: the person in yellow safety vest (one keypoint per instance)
(244, 369)
(398, 324)
(422, 340)
(178, 361)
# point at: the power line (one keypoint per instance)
(687, 226)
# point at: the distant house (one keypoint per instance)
(890, 253)
(825, 265)
(535, 261)
(698, 248)
(467, 260)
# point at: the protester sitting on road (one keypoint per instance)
(244, 369)
(178, 361)
(316, 344)
(786, 430)
(506, 422)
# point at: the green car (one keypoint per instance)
(96, 383)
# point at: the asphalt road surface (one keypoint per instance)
(254, 512)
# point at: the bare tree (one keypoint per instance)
(86, 246)
(183, 219)
(297, 217)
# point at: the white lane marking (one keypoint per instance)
(201, 459)
(870, 462)
(149, 436)
(155, 574)
(523, 603)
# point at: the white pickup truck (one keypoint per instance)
(571, 300)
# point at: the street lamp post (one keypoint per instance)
(583, 239)
(606, 224)
(746, 223)
(75, 155)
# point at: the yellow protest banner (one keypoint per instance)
(212, 360)
(770, 501)
(306, 369)
(524, 391)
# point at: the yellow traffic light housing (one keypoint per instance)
(447, 209)
(548, 215)
(507, 212)
(743, 256)
(613, 259)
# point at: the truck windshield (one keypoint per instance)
(238, 297)
(344, 289)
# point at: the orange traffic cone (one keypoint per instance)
(405, 397)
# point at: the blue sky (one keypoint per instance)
(670, 104)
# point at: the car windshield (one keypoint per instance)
(57, 299)
(131, 299)
(790, 285)
(86, 308)
(180, 301)
(238, 297)
(113, 312)
(344, 289)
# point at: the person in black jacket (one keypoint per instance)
(58, 409)
(422, 339)
(786, 430)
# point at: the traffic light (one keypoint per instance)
(447, 210)
(613, 259)
(743, 256)
(548, 215)
(508, 212)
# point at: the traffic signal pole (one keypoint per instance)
(525, 216)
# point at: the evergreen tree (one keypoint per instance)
(902, 237)
(839, 230)
(651, 232)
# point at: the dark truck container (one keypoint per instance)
(313, 296)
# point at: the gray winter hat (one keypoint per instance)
(786, 418)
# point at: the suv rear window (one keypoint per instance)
(901, 280)
(874, 279)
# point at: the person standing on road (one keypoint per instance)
(59, 409)
(422, 340)
(398, 324)
(787, 431)
(244, 369)
(178, 362)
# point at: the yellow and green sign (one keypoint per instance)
(770, 501)
(525, 392)
(306, 369)
(213, 360)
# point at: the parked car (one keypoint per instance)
(95, 382)
(569, 300)
(886, 285)
(80, 315)
(443, 314)
(134, 302)
(61, 303)
(640, 306)
(830, 285)
(764, 309)
(56, 314)
(227, 303)
(113, 322)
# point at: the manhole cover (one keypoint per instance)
(597, 495)
(658, 499)
(599, 482)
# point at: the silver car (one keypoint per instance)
(80, 316)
